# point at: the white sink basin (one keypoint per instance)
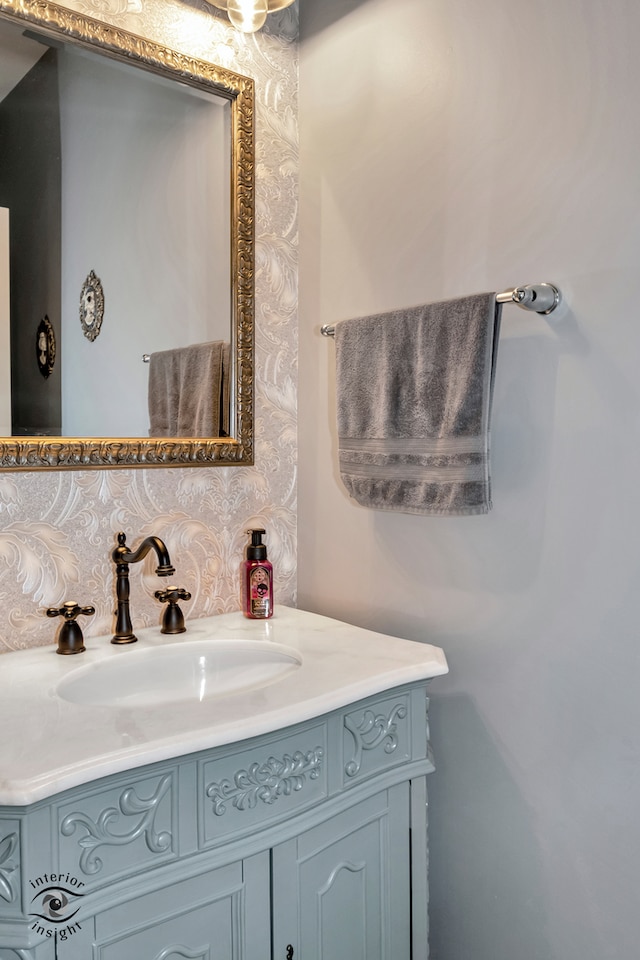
(227, 680)
(193, 672)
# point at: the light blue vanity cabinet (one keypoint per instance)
(306, 843)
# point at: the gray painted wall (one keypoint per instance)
(450, 147)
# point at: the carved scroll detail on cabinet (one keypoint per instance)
(99, 831)
(373, 730)
(8, 846)
(266, 781)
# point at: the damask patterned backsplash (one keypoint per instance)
(57, 529)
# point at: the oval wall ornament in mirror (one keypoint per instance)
(45, 347)
(69, 39)
(91, 306)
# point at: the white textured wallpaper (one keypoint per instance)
(58, 528)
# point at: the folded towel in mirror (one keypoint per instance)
(189, 391)
(414, 390)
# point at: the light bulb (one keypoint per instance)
(247, 15)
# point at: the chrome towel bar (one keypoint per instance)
(540, 298)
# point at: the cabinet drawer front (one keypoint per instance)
(261, 785)
(111, 833)
(375, 737)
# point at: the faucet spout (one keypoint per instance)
(122, 557)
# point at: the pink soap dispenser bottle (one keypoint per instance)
(256, 579)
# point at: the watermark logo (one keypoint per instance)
(56, 902)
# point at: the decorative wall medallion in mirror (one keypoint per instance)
(45, 347)
(91, 306)
(162, 199)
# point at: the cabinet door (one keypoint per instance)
(341, 890)
(222, 914)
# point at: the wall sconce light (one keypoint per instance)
(249, 15)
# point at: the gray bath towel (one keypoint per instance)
(189, 391)
(414, 391)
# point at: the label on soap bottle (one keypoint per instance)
(260, 593)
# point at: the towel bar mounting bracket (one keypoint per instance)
(540, 298)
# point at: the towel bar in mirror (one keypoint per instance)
(115, 217)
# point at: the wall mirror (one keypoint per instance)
(126, 235)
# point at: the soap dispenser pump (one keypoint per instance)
(256, 579)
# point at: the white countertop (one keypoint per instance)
(48, 744)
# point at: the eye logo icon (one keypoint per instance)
(57, 904)
(54, 904)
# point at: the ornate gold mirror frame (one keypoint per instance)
(85, 452)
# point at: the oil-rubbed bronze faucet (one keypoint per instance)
(122, 557)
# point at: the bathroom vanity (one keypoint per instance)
(253, 790)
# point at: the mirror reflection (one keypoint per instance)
(115, 183)
(152, 256)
